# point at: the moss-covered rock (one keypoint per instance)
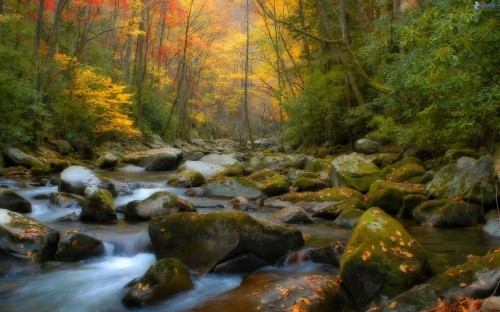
(12, 201)
(161, 159)
(14, 157)
(78, 246)
(348, 218)
(275, 185)
(206, 169)
(203, 241)
(330, 254)
(422, 297)
(188, 178)
(99, 206)
(75, 179)
(232, 187)
(367, 146)
(277, 162)
(382, 160)
(448, 213)
(324, 195)
(381, 258)
(406, 173)
(107, 161)
(304, 184)
(355, 171)
(334, 210)
(410, 202)
(163, 279)
(25, 239)
(477, 278)
(159, 204)
(262, 175)
(389, 195)
(451, 156)
(293, 215)
(315, 165)
(469, 178)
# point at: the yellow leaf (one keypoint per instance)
(384, 249)
(366, 255)
(409, 255)
(28, 253)
(375, 211)
(398, 233)
(382, 244)
(462, 285)
(393, 305)
(392, 238)
(373, 247)
(402, 243)
(403, 267)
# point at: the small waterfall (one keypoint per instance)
(296, 258)
(127, 244)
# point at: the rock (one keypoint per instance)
(304, 184)
(491, 304)
(75, 179)
(293, 215)
(492, 214)
(77, 246)
(239, 203)
(206, 169)
(419, 298)
(277, 162)
(99, 206)
(382, 160)
(12, 201)
(410, 202)
(14, 157)
(161, 159)
(203, 241)
(381, 258)
(366, 146)
(72, 217)
(261, 175)
(324, 195)
(451, 156)
(334, 210)
(242, 263)
(66, 200)
(264, 143)
(492, 228)
(330, 254)
(348, 218)
(272, 292)
(448, 213)
(275, 185)
(315, 165)
(469, 179)
(233, 187)
(496, 163)
(62, 146)
(187, 178)
(389, 195)
(407, 172)
(107, 161)
(155, 141)
(477, 278)
(220, 159)
(159, 204)
(26, 239)
(58, 165)
(355, 171)
(163, 279)
(121, 188)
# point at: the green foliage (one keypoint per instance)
(448, 73)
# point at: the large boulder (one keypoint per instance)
(15, 157)
(25, 239)
(406, 172)
(188, 178)
(329, 194)
(448, 213)
(77, 246)
(12, 201)
(107, 161)
(163, 279)
(159, 204)
(161, 159)
(389, 195)
(220, 159)
(469, 179)
(204, 241)
(206, 169)
(366, 146)
(355, 171)
(62, 146)
(422, 297)
(277, 162)
(306, 184)
(335, 209)
(99, 206)
(271, 292)
(381, 258)
(75, 179)
(276, 185)
(233, 187)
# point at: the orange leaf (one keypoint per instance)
(398, 233)
(403, 267)
(393, 305)
(366, 255)
(392, 238)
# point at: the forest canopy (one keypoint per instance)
(303, 72)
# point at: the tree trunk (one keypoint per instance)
(245, 92)
(37, 120)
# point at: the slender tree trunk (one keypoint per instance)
(245, 91)
(37, 122)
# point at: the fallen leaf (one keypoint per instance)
(403, 267)
(393, 305)
(392, 238)
(373, 247)
(28, 253)
(402, 243)
(366, 255)
(382, 244)
(398, 233)
(384, 249)
(462, 285)
(375, 211)
(409, 255)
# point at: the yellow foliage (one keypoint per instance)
(107, 101)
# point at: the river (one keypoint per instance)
(98, 284)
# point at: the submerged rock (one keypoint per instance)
(448, 213)
(355, 171)
(381, 258)
(163, 279)
(159, 204)
(203, 241)
(75, 179)
(77, 246)
(330, 254)
(99, 206)
(12, 201)
(25, 239)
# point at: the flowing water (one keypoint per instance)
(98, 284)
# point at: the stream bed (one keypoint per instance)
(98, 284)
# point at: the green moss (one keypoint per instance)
(275, 185)
(234, 170)
(406, 172)
(188, 178)
(389, 195)
(262, 175)
(328, 194)
(305, 184)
